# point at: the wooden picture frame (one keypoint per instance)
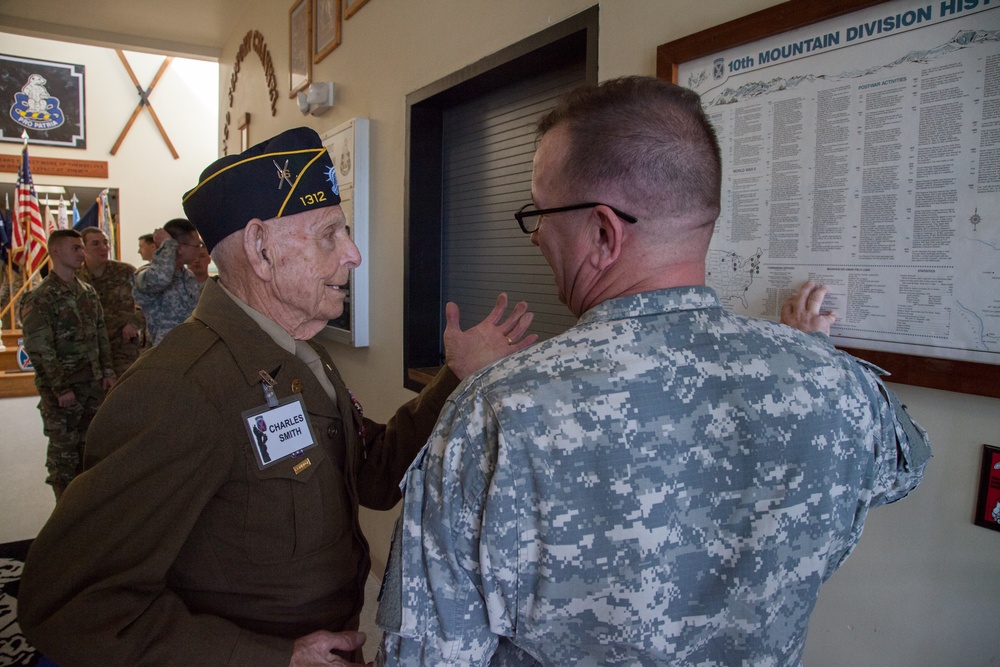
(351, 7)
(243, 125)
(988, 501)
(327, 23)
(971, 377)
(299, 46)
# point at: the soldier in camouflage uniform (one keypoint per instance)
(65, 337)
(147, 246)
(165, 289)
(199, 267)
(113, 281)
(8, 288)
(665, 482)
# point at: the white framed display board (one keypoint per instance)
(348, 148)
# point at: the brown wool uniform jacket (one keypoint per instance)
(175, 548)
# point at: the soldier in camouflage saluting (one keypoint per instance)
(113, 281)
(65, 337)
(165, 289)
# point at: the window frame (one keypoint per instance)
(423, 310)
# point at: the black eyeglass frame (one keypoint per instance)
(192, 245)
(521, 214)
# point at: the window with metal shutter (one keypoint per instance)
(470, 143)
(488, 145)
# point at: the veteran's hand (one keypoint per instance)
(316, 648)
(801, 310)
(489, 341)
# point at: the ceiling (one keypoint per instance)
(191, 28)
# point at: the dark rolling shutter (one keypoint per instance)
(488, 145)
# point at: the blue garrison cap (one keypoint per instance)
(287, 174)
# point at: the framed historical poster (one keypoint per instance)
(326, 27)
(351, 7)
(44, 98)
(299, 41)
(861, 150)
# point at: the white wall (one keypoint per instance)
(923, 588)
(149, 179)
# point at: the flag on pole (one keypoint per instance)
(18, 236)
(28, 220)
(50, 221)
(62, 215)
(104, 221)
(88, 219)
(76, 212)
(5, 229)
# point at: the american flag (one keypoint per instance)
(28, 247)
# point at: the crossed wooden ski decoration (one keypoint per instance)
(144, 103)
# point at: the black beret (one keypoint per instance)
(287, 174)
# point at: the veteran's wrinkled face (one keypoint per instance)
(312, 255)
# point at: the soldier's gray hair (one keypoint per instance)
(644, 140)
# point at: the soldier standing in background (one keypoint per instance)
(7, 288)
(199, 267)
(113, 282)
(165, 289)
(65, 337)
(147, 246)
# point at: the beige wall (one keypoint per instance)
(923, 588)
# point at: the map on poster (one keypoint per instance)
(863, 152)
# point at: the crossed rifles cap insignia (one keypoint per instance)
(284, 175)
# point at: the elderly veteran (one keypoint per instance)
(224, 529)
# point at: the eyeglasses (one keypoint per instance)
(522, 213)
(193, 245)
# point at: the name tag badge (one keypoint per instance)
(280, 432)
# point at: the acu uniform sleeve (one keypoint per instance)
(156, 276)
(902, 445)
(445, 600)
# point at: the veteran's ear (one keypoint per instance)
(255, 248)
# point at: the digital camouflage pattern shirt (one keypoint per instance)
(64, 334)
(166, 296)
(664, 483)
